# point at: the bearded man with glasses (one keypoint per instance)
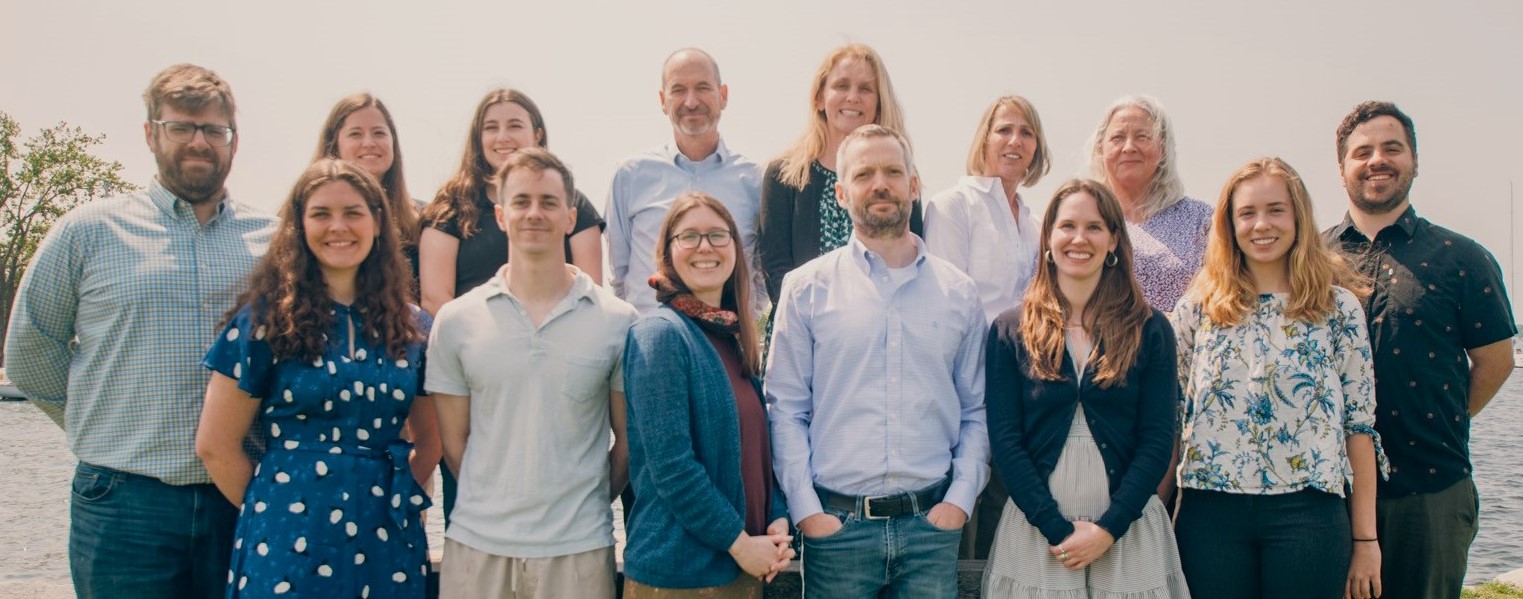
(109, 328)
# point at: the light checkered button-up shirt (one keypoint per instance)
(113, 317)
(876, 379)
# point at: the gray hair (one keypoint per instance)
(1167, 188)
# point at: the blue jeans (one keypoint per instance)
(1291, 546)
(905, 557)
(134, 536)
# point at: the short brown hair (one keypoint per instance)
(1368, 111)
(538, 160)
(190, 88)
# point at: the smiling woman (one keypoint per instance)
(800, 218)
(323, 354)
(360, 129)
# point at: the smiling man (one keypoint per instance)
(876, 382)
(526, 371)
(1441, 328)
(110, 325)
(696, 159)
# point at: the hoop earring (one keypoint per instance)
(1112, 260)
(1048, 255)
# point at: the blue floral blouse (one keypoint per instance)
(1270, 402)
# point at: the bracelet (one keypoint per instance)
(1359, 540)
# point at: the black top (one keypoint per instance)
(1437, 293)
(1029, 419)
(486, 250)
(789, 234)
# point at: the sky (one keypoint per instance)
(1239, 80)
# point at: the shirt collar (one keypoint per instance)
(867, 259)
(581, 285)
(176, 207)
(981, 183)
(721, 154)
(1407, 223)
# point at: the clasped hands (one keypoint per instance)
(1083, 546)
(765, 555)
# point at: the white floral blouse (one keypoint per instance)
(1270, 402)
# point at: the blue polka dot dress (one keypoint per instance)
(333, 510)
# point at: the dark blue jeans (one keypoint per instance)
(1292, 546)
(133, 536)
(904, 557)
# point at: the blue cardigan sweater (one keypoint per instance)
(1133, 423)
(684, 457)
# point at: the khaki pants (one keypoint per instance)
(743, 587)
(471, 574)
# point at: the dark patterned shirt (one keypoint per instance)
(835, 221)
(1436, 294)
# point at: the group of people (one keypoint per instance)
(1177, 399)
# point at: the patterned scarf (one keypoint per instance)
(709, 318)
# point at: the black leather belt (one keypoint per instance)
(883, 507)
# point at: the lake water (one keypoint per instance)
(36, 466)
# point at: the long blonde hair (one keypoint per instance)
(809, 146)
(1113, 316)
(1224, 286)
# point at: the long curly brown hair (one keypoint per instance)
(290, 297)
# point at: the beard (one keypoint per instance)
(881, 226)
(1384, 203)
(695, 129)
(197, 183)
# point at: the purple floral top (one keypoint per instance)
(1168, 249)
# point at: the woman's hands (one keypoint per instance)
(764, 556)
(1087, 543)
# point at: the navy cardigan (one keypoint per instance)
(1029, 419)
(684, 457)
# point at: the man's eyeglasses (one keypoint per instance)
(183, 132)
(689, 240)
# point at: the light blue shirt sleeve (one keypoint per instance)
(37, 347)
(618, 232)
(970, 458)
(789, 385)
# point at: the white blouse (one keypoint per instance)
(971, 226)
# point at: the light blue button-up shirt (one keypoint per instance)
(876, 379)
(642, 192)
(113, 318)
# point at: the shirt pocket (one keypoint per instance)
(586, 377)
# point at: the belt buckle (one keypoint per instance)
(867, 508)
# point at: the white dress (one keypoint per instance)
(1142, 564)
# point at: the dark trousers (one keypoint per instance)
(1425, 540)
(1292, 546)
(133, 536)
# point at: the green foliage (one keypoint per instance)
(40, 180)
(1492, 590)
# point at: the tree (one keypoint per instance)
(51, 174)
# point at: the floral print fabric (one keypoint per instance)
(1268, 403)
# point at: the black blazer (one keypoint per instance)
(789, 234)
(1133, 424)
